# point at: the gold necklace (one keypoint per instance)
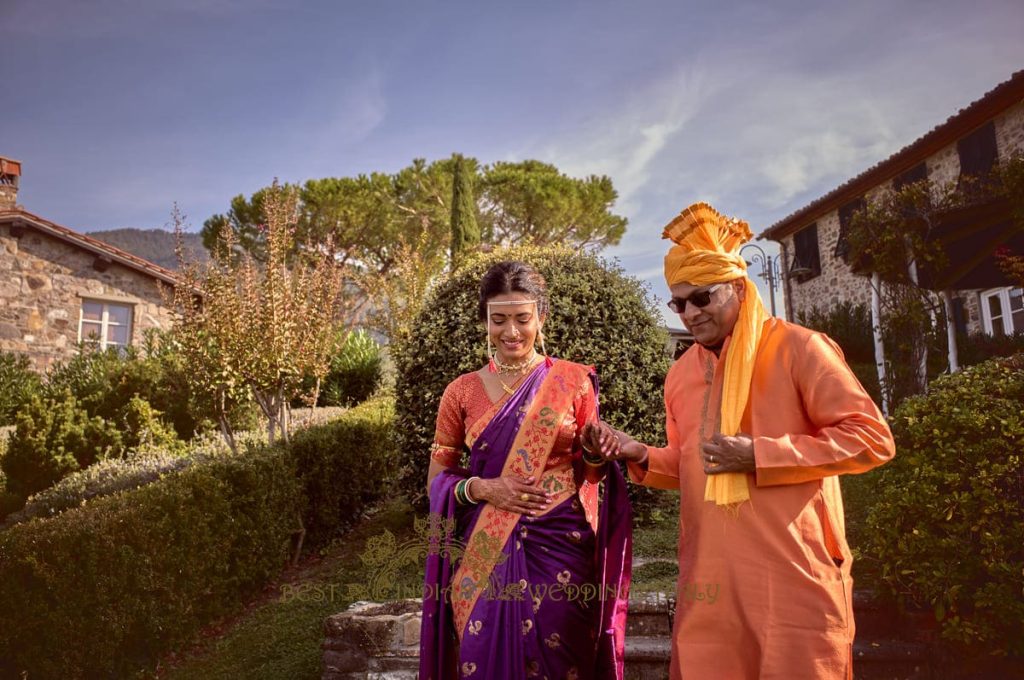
(509, 368)
(518, 367)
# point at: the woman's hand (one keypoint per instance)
(513, 494)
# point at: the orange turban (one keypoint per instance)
(707, 251)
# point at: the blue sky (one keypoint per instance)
(119, 108)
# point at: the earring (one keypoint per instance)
(491, 349)
(547, 360)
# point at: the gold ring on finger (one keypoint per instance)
(524, 497)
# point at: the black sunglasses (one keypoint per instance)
(701, 299)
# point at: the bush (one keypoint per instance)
(849, 325)
(598, 316)
(948, 512)
(979, 347)
(355, 371)
(344, 465)
(104, 478)
(54, 437)
(127, 577)
(18, 384)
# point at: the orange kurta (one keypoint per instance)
(764, 589)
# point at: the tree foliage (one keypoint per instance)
(532, 203)
(367, 218)
(250, 328)
(465, 232)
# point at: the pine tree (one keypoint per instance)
(465, 231)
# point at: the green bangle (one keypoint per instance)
(460, 490)
(593, 461)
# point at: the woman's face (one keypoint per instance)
(513, 325)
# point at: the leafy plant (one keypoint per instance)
(947, 517)
(54, 437)
(18, 383)
(355, 370)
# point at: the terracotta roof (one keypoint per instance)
(20, 216)
(1000, 98)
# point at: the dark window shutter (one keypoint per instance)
(846, 214)
(959, 315)
(805, 247)
(978, 151)
(915, 174)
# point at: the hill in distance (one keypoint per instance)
(155, 245)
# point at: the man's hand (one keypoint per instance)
(728, 454)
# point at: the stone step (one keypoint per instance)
(647, 657)
(649, 614)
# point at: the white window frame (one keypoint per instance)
(1003, 294)
(105, 321)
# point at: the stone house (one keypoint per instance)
(59, 287)
(815, 273)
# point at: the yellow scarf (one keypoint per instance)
(706, 252)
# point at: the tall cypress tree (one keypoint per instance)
(465, 230)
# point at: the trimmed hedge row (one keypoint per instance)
(105, 589)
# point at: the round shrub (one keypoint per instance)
(355, 371)
(598, 316)
(947, 519)
(54, 437)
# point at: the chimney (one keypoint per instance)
(10, 173)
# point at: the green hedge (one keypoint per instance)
(105, 589)
(946, 521)
(598, 316)
(344, 466)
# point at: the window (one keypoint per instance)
(1002, 311)
(978, 151)
(846, 214)
(806, 260)
(960, 315)
(916, 174)
(106, 323)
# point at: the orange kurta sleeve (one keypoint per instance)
(662, 469)
(852, 435)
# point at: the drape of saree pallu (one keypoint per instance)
(509, 596)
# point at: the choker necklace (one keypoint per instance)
(519, 367)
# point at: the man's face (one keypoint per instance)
(714, 322)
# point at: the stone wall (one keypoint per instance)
(42, 283)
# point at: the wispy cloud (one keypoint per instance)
(624, 141)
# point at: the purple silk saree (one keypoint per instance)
(550, 601)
